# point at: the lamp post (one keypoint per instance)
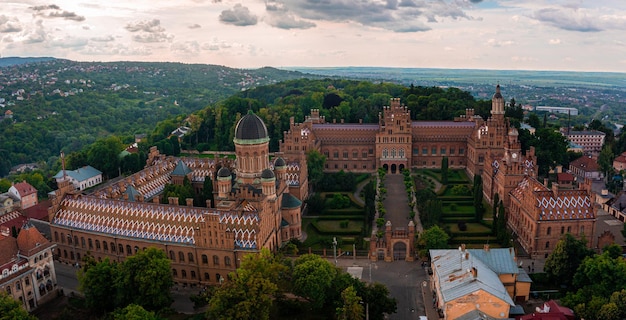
(335, 249)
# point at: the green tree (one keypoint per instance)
(315, 166)
(10, 309)
(5, 184)
(503, 235)
(352, 308)
(432, 238)
(244, 297)
(551, 149)
(145, 279)
(567, 255)
(312, 278)
(605, 161)
(104, 155)
(97, 282)
(134, 312)
(444, 170)
(494, 213)
(378, 301)
(533, 121)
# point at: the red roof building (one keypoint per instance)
(550, 311)
(26, 193)
(586, 167)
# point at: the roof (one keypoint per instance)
(38, 211)
(500, 260)
(586, 164)
(132, 193)
(586, 133)
(267, 174)
(251, 127)
(181, 169)
(280, 162)
(223, 172)
(24, 188)
(564, 205)
(346, 126)
(290, 202)
(461, 273)
(498, 94)
(621, 158)
(80, 174)
(12, 219)
(9, 249)
(433, 124)
(564, 176)
(30, 239)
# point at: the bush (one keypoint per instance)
(380, 222)
(453, 207)
(344, 224)
(462, 226)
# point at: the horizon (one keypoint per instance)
(520, 35)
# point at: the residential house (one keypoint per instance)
(6, 203)
(481, 282)
(619, 163)
(565, 179)
(26, 194)
(616, 206)
(586, 167)
(550, 310)
(26, 266)
(82, 178)
(591, 140)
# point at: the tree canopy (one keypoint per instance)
(564, 260)
(11, 309)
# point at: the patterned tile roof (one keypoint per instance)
(181, 169)
(431, 124)
(147, 221)
(565, 205)
(346, 126)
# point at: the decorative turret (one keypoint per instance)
(268, 183)
(223, 182)
(497, 102)
(252, 148)
(280, 168)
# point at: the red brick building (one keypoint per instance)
(257, 205)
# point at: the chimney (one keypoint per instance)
(545, 182)
(466, 255)
(189, 202)
(173, 201)
(474, 272)
(555, 189)
(155, 200)
(486, 247)
(360, 121)
(462, 247)
(208, 203)
(139, 198)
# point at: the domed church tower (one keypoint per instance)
(252, 148)
(497, 104)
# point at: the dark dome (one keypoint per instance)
(251, 127)
(280, 162)
(497, 95)
(267, 174)
(223, 172)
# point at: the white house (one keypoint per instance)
(82, 178)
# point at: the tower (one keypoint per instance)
(252, 148)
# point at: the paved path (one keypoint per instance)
(396, 202)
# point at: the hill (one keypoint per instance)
(13, 61)
(49, 105)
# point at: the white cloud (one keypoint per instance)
(238, 16)
(555, 41)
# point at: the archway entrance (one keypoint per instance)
(386, 167)
(401, 167)
(399, 251)
(393, 168)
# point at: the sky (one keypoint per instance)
(569, 35)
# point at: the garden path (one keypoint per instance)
(396, 203)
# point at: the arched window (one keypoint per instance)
(216, 260)
(401, 153)
(174, 273)
(90, 243)
(190, 257)
(62, 237)
(206, 276)
(97, 244)
(227, 261)
(181, 256)
(549, 230)
(547, 244)
(385, 153)
(205, 259)
(582, 230)
(172, 255)
(129, 250)
(82, 242)
(393, 153)
(69, 239)
(56, 236)
(105, 246)
(8, 289)
(193, 274)
(183, 273)
(136, 249)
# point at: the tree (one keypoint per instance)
(551, 149)
(376, 296)
(432, 238)
(605, 161)
(134, 312)
(533, 121)
(244, 297)
(478, 198)
(97, 283)
(567, 255)
(145, 279)
(315, 166)
(10, 309)
(352, 309)
(503, 236)
(104, 155)
(494, 213)
(312, 278)
(444, 170)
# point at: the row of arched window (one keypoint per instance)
(193, 276)
(204, 258)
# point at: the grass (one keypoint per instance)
(330, 226)
(471, 227)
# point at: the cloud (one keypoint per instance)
(103, 39)
(187, 47)
(68, 42)
(554, 41)
(567, 19)
(499, 43)
(194, 26)
(9, 24)
(54, 11)
(117, 49)
(38, 35)
(238, 16)
(148, 31)
(279, 17)
(394, 15)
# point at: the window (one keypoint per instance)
(174, 273)
(336, 154)
(451, 151)
(364, 155)
(129, 250)
(562, 230)
(355, 154)
(547, 244)
(461, 151)
(82, 242)
(549, 231)
(8, 289)
(205, 259)
(181, 256)
(97, 244)
(385, 153)
(136, 249)
(121, 249)
(582, 230)
(62, 238)
(90, 243)
(443, 151)
(216, 260)
(433, 151)
(193, 274)
(424, 151)
(26, 281)
(183, 273)
(206, 276)
(190, 257)
(69, 239)
(56, 236)
(393, 153)
(18, 286)
(401, 153)
(105, 246)
(345, 154)
(75, 240)
(569, 229)
(227, 261)
(371, 151)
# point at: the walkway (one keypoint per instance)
(396, 202)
